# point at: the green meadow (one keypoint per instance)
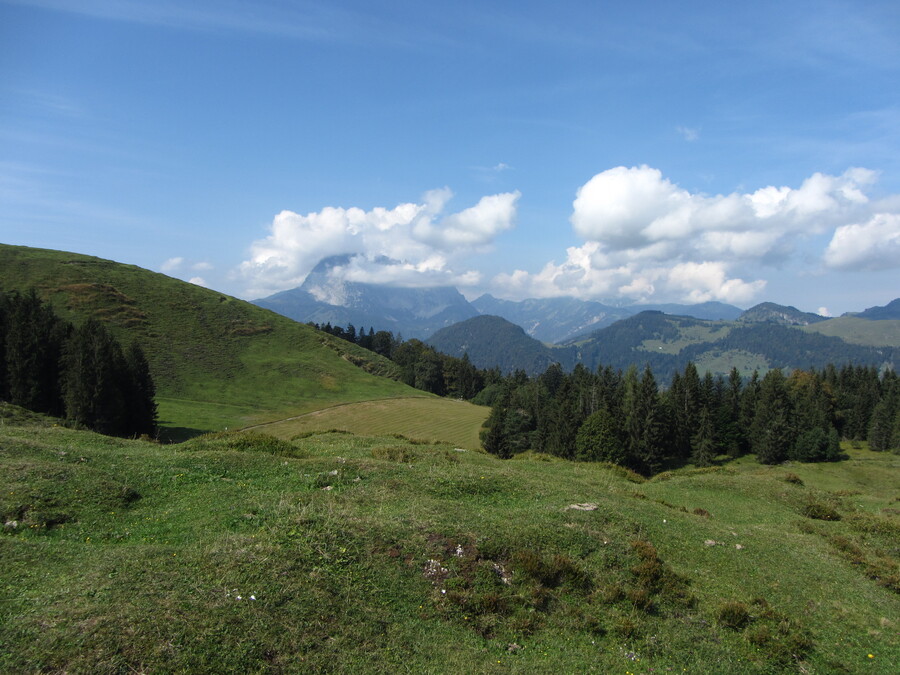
(429, 419)
(341, 552)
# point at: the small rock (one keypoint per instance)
(328, 487)
(739, 547)
(513, 647)
(333, 473)
(583, 507)
(710, 542)
(11, 524)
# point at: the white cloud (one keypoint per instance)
(823, 311)
(421, 242)
(645, 237)
(635, 208)
(688, 133)
(202, 266)
(171, 265)
(198, 281)
(873, 245)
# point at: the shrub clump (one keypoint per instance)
(394, 453)
(734, 615)
(819, 510)
(244, 441)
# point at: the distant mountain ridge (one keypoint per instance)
(552, 320)
(666, 343)
(769, 312)
(492, 341)
(325, 298)
(888, 312)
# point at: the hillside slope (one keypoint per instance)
(667, 343)
(217, 361)
(890, 311)
(860, 331)
(491, 341)
(336, 553)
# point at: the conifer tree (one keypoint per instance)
(772, 433)
(881, 427)
(94, 380)
(141, 391)
(34, 341)
(599, 439)
(704, 445)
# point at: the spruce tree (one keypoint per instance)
(599, 439)
(140, 393)
(95, 379)
(703, 442)
(772, 433)
(34, 343)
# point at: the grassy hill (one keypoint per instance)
(855, 330)
(343, 553)
(668, 342)
(218, 361)
(493, 341)
(419, 419)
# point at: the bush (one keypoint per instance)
(733, 615)
(819, 510)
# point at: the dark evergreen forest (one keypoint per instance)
(629, 418)
(81, 373)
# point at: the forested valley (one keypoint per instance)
(631, 419)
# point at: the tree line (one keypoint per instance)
(81, 373)
(421, 365)
(627, 419)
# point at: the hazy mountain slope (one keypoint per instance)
(667, 343)
(552, 319)
(887, 312)
(217, 361)
(326, 298)
(559, 320)
(855, 330)
(493, 341)
(769, 312)
(709, 311)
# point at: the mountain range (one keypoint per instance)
(763, 337)
(325, 297)
(412, 312)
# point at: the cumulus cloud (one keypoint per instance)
(198, 281)
(410, 244)
(171, 265)
(645, 237)
(872, 245)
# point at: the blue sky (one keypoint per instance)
(652, 152)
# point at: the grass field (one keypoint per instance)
(429, 419)
(885, 333)
(344, 553)
(688, 335)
